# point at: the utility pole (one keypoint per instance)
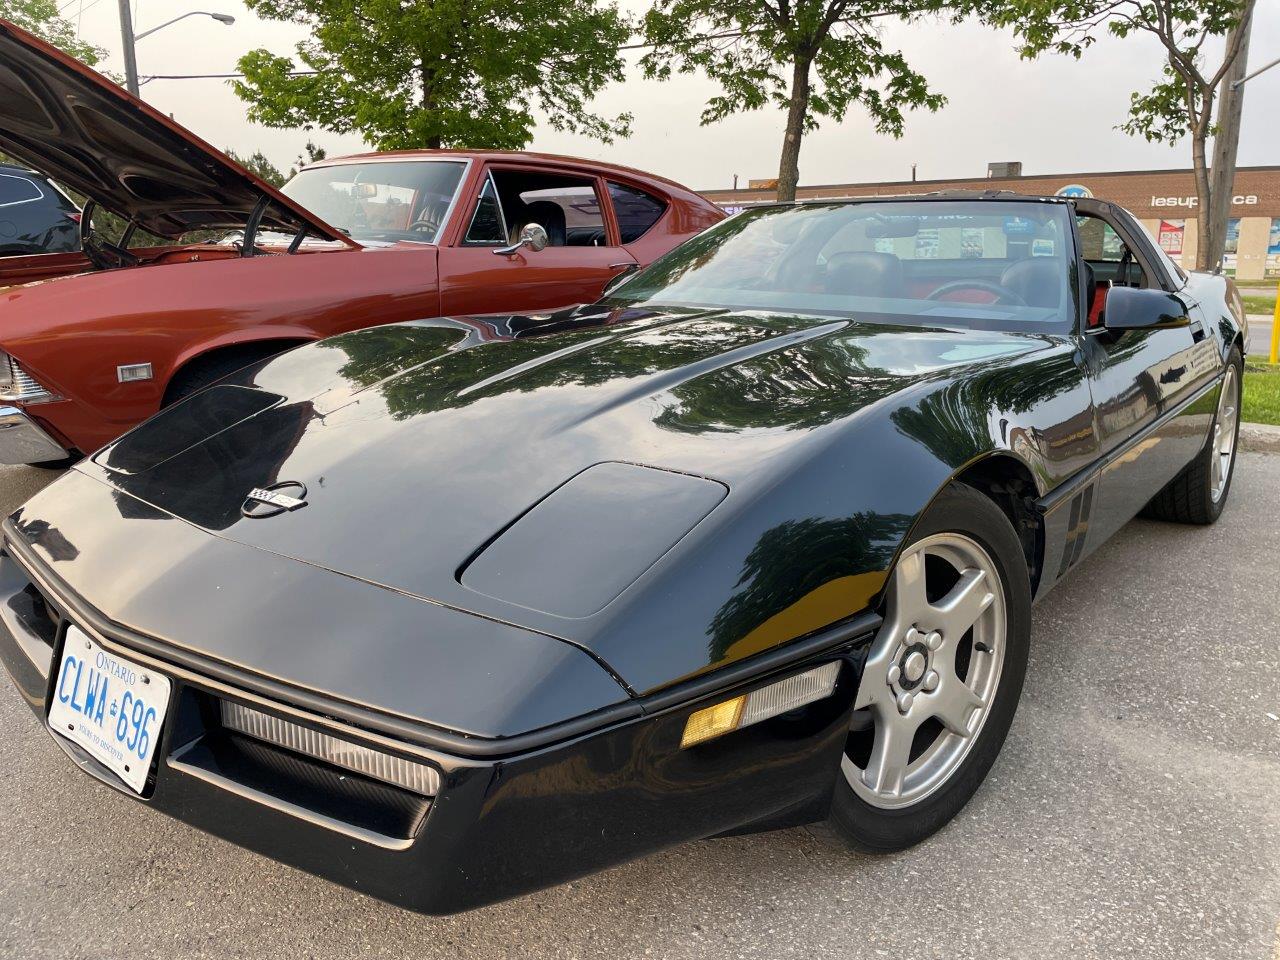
(1223, 170)
(126, 39)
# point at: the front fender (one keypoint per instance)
(812, 543)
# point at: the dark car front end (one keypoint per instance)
(427, 817)
(453, 609)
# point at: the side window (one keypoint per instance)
(488, 227)
(14, 189)
(635, 210)
(569, 211)
(1098, 241)
(1103, 249)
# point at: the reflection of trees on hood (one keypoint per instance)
(443, 382)
(954, 422)
(800, 388)
(379, 352)
(795, 558)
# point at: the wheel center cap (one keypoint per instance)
(913, 666)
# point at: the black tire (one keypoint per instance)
(869, 828)
(1189, 497)
(212, 367)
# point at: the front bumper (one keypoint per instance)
(501, 824)
(22, 440)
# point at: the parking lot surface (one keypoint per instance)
(1133, 813)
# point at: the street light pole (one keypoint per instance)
(129, 38)
(1244, 80)
(130, 58)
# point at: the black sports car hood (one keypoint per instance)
(530, 469)
(76, 126)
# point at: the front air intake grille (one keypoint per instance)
(408, 774)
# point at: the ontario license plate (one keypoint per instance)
(110, 706)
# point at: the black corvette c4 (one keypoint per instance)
(450, 610)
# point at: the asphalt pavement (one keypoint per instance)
(1133, 814)
(1259, 335)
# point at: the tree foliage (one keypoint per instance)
(258, 164)
(1167, 111)
(1178, 105)
(814, 58)
(41, 18)
(460, 73)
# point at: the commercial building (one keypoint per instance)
(1164, 200)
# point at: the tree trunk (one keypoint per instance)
(1205, 200)
(1227, 138)
(789, 167)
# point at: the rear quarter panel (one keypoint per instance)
(1221, 307)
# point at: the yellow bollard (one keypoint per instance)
(1275, 329)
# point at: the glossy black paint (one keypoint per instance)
(1131, 308)
(424, 446)
(35, 216)
(323, 638)
(500, 826)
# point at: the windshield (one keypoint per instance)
(380, 201)
(991, 264)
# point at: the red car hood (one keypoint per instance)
(76, 126)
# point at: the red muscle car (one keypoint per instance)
(93, 342)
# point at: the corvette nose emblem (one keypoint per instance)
(275, 499)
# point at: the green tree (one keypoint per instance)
(258, 164)
(1178, 105)
(445, 73)
(309, 155)
(41, 18)
(814, 58)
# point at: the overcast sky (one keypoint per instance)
(1056, 115)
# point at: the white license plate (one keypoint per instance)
(110, 706)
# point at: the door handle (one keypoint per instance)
(619, 266)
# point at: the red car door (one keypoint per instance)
(582, 256)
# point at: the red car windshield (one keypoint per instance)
(381, 200)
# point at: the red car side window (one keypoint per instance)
(636, 211)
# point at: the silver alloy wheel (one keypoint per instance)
(911, 672)
(1224, 435)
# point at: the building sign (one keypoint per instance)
(1273, 249)
(1239, 200)
(1171, 233)
(1074, 190)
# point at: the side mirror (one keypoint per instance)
(1129, 308)
(533, 235)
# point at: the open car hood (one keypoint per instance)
(76, 126)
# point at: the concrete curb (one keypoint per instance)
(1259, 438)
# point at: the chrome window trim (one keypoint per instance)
(40, 194)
